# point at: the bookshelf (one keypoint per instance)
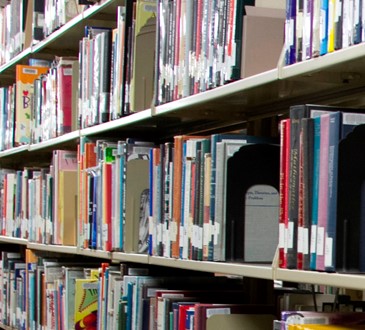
(337, 78)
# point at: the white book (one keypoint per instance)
(225, 150)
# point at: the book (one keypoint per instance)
(67, 208)
(86, 302)
(217, 174)
(324, 27)
(64, 161)
(174, 227)
(141, 88)
(136, 196)
(305, 192)
(253, 182)
(67, 84)
(25, 76)
(283, 190)
(290, 32)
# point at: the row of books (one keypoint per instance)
(321, 219)
(204, 203)
(315, 28)
(115, 73)
(39, 204)
(45, 292)
(12, 29)
(42, 104)
(24, 23)
(114, 195)
(203, 45)
(173, 200)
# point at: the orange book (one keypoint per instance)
(25, 76)
(177, 185)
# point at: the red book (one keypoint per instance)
(65, 99)
(284, 188)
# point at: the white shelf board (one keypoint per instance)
(13, 151)
(334, 59)
(342, 280)
(13, 240)
(6, 327)
(15, 60)
(219, 92)
(118, 123)
(130, 257)
(52, 248)
(94, 253)
(249, 270)
(55, 141)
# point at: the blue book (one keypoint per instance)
(130, 290)
(151, 239)
(323, 48)
(94, 225)
(290, 31)
(316, 144)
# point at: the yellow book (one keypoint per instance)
(67, 207)
(86, 303)
(331, 25)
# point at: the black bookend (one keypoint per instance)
(350, 202)
(252, 203)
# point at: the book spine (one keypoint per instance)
(315, 186)
(331, 25)
(324, 27)
(330, 238)
(284, 175)
(296, 114)
(290, 30)
(177, 177)
(308, 148)
(323, 192)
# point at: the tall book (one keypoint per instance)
(144, 49)
(290, 30)
(25, 76)
(67, 87)
(305, 192)
(283, 190)
(177, 189)
(86, 302)
(65, 214)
